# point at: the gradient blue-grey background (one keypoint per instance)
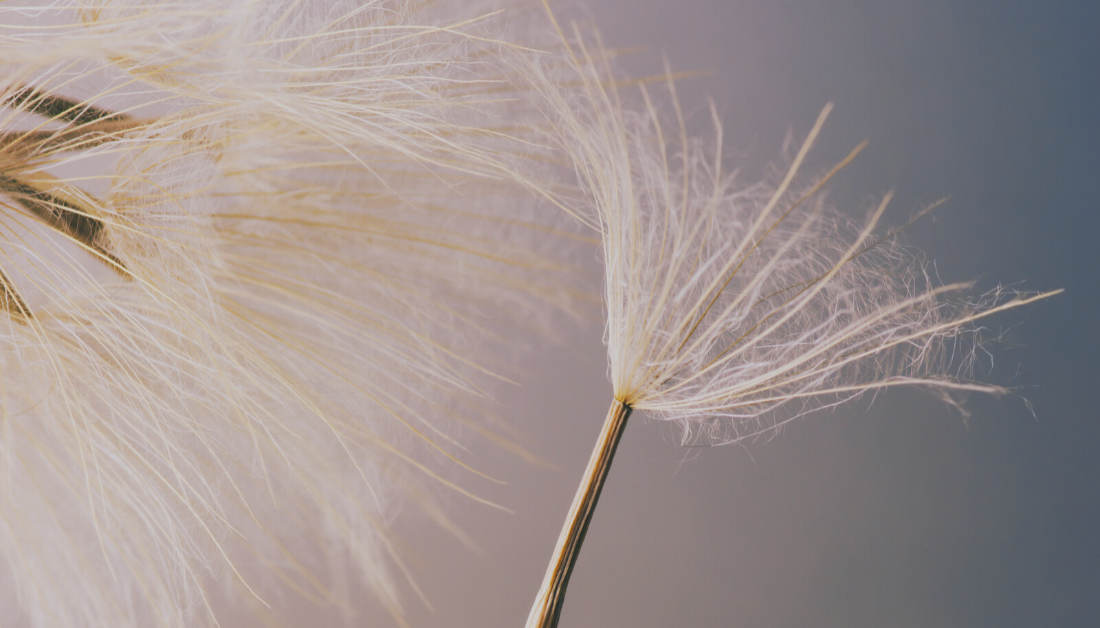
(895, 513)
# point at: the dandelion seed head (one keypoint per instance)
(733, 307)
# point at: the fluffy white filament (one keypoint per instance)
(730, 308)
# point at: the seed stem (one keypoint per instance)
(547, 608)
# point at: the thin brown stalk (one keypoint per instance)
(10, 299)
(547, 608)
(64, 216)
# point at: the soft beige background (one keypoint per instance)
(895, 513)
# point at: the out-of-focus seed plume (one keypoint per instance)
(249, 250)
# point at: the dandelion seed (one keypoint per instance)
(734, 310)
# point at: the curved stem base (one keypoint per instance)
(547, 607)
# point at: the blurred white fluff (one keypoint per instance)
(240, 311)
(734, 308)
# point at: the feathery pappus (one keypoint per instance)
(248, 253)
(733, 309)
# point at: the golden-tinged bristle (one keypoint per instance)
(254, 261)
